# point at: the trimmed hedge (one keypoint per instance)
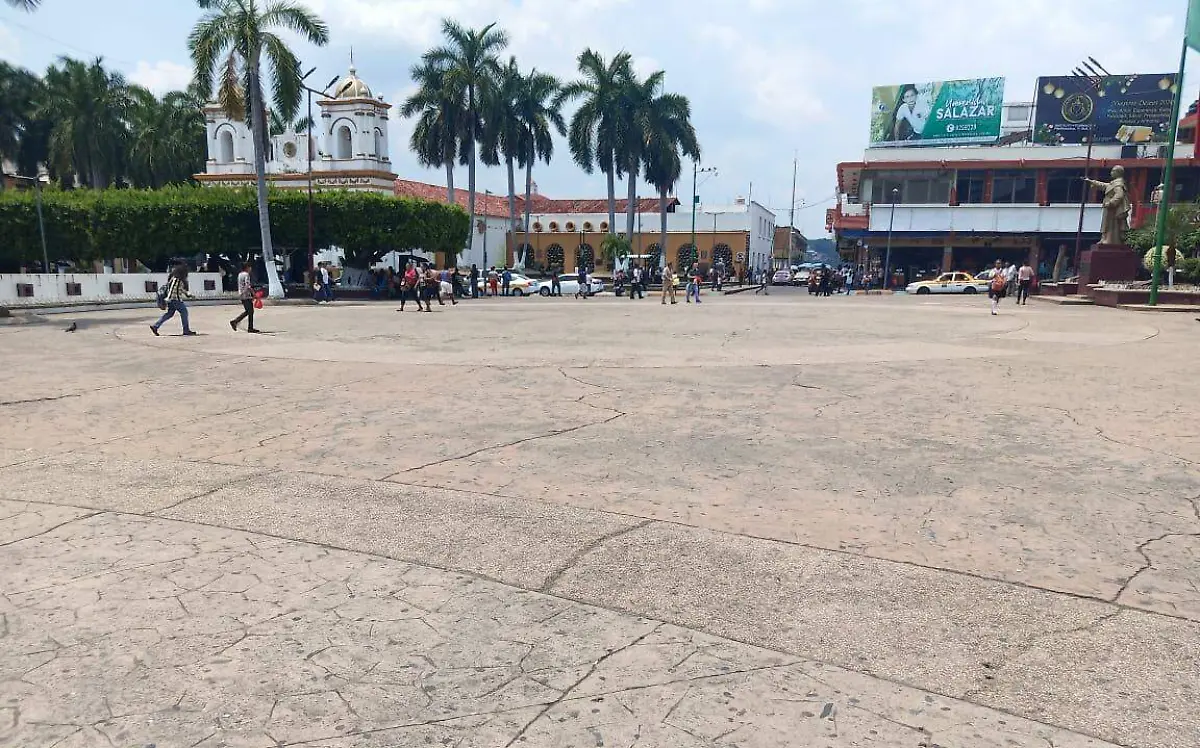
(156, 225)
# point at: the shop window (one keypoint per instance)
(1014, 187)
(970, 187)
(74, 289)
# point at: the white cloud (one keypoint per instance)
(10, 45)
(162, 76)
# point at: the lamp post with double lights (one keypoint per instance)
(37, 183)
(696, 171)
(309, 145)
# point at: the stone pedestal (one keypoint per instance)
(1107, 262)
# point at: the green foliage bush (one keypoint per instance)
(156, 225)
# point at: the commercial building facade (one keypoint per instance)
(1022, 198)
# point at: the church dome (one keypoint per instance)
(351, 87)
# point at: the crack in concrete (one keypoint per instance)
(54, 398)
(535, 437)
(565, 694)
(553, 577)
(51, 529)
(1148, 563)
(230, 484)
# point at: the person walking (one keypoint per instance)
(176, 293)
(474, 281)
(997, 285)
(1024, 281)
(668, 285)
(409, 283)
(762, 283)
(582, 278)
(245, 289)
(636, 283)
(555, 282)
(431, 288)
(695, 280)
(326, 281)
(506, 280)
(493, 279)
(456, 288)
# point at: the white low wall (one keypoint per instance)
(94, 288)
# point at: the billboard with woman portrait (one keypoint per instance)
(937, 113)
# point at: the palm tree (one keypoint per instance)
(502, 132)
(441, 121)
(667, 135)
(89, 107)
(22, 132)
(536, 113)
(166, 143)
(239, 31)
(598, 127)
(28, 5)
(468, 61)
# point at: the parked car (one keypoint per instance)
(949, 283)
(519, 286)
(782, 277)
(570, 286)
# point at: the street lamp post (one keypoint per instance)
(486, 195)
(309, 145)
(37, 183)
(887, 262)
(696, 170)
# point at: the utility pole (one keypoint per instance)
(792, 218)
(1089, 81)
(309, 145)
(887, 263)
(1164, 205)
(696, 170)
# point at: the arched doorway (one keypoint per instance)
(585, 257)
(225, 146)
(555, 258)
(343, 145)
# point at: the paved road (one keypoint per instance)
(779, 521)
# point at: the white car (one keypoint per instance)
(949, 283)
(569, 284)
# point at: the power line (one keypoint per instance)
(47, 37)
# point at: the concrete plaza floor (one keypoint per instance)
(779, 521)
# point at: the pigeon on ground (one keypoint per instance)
(72, 328)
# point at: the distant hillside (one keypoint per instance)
(822, 250)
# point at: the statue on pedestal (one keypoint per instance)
(1116, 207)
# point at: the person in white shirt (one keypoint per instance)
(246, 296)
(1024, 281)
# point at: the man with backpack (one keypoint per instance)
(996, 287)
(174, 296)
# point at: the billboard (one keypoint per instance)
(937, 113)
(1127, 109)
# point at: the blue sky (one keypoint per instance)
(768, 79)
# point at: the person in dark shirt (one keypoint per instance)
(474, 281)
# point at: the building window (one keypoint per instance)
(919, 187)
(970, 186)
(1064, 186)
(1014, 187)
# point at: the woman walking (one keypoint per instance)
(176, 293)
(246, 295)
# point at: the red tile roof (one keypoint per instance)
(497, 205)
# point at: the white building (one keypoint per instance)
(349, 149)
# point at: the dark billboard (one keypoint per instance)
(1126, 109)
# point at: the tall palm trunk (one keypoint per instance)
(612, 199)
(450, 181)
(259, 115)
(528, 197)
(631, 208)
(471, 124)
(518, 251)
(662, 237)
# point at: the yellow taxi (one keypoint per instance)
(956, 282)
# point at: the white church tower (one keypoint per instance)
(348, 149)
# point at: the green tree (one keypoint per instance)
(440, 130)
(667, 134)
(89, 109)
(600, 126)
(537, 114)
(502, 132)
(236, 35)
(24, 135)
(469, 62)
(166, 138)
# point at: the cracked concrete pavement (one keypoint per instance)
(761, 522)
